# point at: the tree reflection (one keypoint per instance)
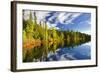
(40, 52)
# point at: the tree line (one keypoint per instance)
(39, 31)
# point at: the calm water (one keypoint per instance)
(58, 52)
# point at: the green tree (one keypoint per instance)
(24, 36)
(35, 18)
(29, 27)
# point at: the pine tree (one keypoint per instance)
(35, 18)
(29, 26)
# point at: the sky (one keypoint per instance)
(76, 21)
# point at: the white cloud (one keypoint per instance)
(50, 26)
(54, 16)
(26, 14)
(88, 21)
(41, 15)
(62, 17)
(87, 32)
(66, 18)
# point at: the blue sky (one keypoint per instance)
(76, 21)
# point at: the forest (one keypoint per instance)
(38, 33)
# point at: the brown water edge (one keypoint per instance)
(33, 43)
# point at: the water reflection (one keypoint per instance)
(57, 51)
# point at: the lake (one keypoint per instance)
(58, 52)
